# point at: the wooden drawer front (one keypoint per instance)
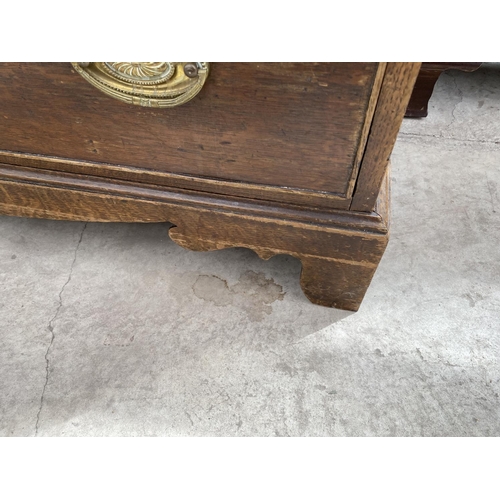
(272, 125)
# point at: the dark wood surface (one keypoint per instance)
(276, 204)
(396, 90)
(424, 86)
(244, 190)
(275, 124)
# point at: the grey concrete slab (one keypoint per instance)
(35, 257)
(463, 107)
(145, 338)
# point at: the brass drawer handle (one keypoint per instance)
(151, 84)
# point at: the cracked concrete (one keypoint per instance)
(50, 327)
(149, 339)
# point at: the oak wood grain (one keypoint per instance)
(293, 125)
(396, 89)
(14, 174)
(304, 197)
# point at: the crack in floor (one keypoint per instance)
(51, 329)
(461, 95)
(412, 135)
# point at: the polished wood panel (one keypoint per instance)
(296, 125)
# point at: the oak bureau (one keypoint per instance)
(282, 158)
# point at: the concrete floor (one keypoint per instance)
(113, 330)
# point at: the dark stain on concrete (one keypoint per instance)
(285, 368)
(119, 339)
(253, 293)
(213, 289)
(472, 298)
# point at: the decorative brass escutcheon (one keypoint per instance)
(151, 84)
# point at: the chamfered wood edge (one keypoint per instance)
(397, 87)
(363, 138)
(339, 252)
(371, 222)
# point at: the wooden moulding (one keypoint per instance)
(339, 250)
(177, 181)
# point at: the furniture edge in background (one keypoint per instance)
(426, 80)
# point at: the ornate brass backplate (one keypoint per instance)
(152, 84)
